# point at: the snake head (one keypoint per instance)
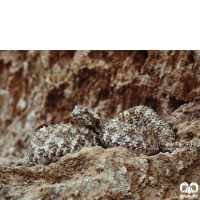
(85, 117)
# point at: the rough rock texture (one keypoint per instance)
(40, 88)
(185, 121)
(96, 173)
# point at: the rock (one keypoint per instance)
(41, 88)
(185, 121)
(97, 173)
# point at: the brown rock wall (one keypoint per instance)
(42, 87)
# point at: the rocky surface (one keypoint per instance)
(96, 173)
(42, 87)
(185, 121)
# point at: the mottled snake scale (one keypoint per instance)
(138, 129)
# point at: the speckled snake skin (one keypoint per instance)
(138, 129)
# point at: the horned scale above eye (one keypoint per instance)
(138, 129)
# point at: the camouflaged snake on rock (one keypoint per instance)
(138, 129)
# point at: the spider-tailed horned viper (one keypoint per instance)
(138, 129)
